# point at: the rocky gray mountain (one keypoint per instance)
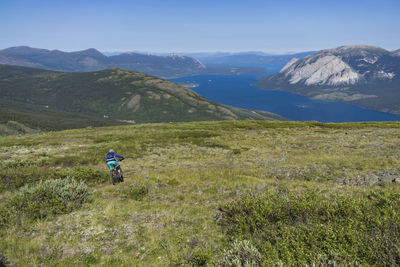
(364, 75)
(92, 60)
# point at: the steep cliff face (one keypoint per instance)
(364, 75)
(329, 70)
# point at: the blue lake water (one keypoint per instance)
(238, 91)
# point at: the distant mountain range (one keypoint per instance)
(249, 58)
(168, 66)
(364, 75)
(58, 100)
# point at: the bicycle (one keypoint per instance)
(116, 175)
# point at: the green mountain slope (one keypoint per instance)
(203, 194)
(20, 118)
(113, 94)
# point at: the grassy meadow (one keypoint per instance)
(230, 193)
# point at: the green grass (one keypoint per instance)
(308, 186)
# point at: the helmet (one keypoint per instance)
(111, 151)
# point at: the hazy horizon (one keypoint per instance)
(175, 26)
(271, 53)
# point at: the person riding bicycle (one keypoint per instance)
(112, 162)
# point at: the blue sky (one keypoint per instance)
(202, 25)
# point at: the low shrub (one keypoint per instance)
(242, 253)
(236, 151)
(199, 257)
(213, 143)
(49, 197)
(7, 214)
(84, 173)
(14, 177)
(4, 261)
(297, 228)
(136, 192)
(173, 182)
(88, 259)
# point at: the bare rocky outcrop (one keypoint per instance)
(134, 103)
(378, 178)
(341, 66)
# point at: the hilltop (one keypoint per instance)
(367, 76)
(203, 193)
(106, 97)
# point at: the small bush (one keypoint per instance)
(7, 214)
(242, 253)
(15, 176)
(213, 143)
(85, 173)
(4, 261)
(136, 192)
(173, 182)
(332, 260)
(199, 258)
(236, 151)
(49, 197)
(88, 259)
(113, 262)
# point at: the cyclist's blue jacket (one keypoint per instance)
(112, 157)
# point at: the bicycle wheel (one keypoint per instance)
(114, 177)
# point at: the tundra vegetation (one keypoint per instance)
(230, 193)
